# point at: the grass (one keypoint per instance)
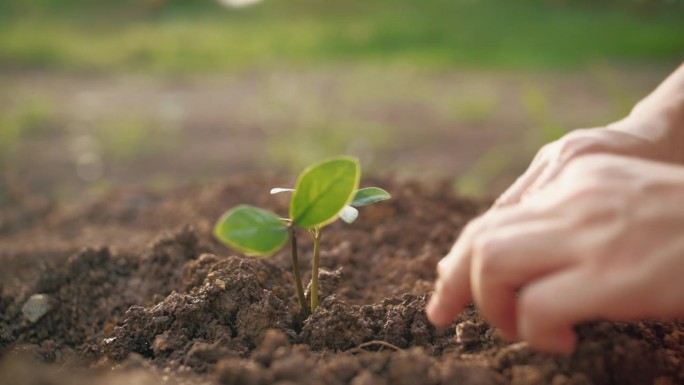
(499, 161)
(127, 138)
(315, 140)
(29, 118)
(194, 36)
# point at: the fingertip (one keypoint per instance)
(447, 301)
(436, 312)
(442, 309)
(452, 287)
(566, 341)
(442, 265)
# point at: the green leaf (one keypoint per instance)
(349, 214)
(368, 195)
(322, 191)
(251, 230)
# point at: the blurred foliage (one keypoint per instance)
(29, 118)
(312, 141)
(497, 161)
(203, 36)
(614, 86)
(477, 180)
(537, 105)
(128, 138)
(475, 110)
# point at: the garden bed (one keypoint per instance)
(134, 282)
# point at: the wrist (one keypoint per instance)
(659, 118)
(663, 137)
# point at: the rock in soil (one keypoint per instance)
(132, 288)
(36, 307)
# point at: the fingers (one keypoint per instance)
(513, 194)
(509, 257)
(550, 172)
(549, 307)
(452, 288)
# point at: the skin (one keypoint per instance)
(592, 230)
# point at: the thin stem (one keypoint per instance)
(314, 269)
(295, 269)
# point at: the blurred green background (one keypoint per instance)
(96, 94)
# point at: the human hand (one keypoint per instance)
(604, 240)
(653, 130)
(555, 156)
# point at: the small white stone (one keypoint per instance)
(36, 307)
(467, 333)
(220, 283)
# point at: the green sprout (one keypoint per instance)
(323, 192)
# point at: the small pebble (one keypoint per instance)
(467, 333)
(36, 307)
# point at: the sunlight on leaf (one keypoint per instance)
(251, 230)
(322, 191)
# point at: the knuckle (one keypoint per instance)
(574, 144)
(592, 169)
(487, 253)
(585, 167)
(475, 224)
(545, 150)
(471, 229)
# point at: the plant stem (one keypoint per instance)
(295, 269)
(314, 269)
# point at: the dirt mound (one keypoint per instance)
(135, 281)
(232, 310)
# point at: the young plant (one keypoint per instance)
(323, 192)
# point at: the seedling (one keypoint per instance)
(323, 192)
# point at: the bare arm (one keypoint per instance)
(659, 118)
(654, 130)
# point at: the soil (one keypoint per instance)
(131, 288)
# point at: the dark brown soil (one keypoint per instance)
(131, 288)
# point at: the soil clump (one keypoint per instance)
(134, 281)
